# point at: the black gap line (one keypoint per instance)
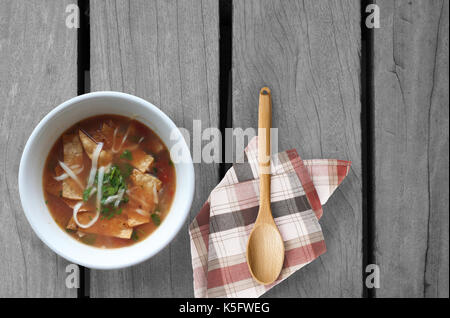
(225, 78)
(367, 131)
(83, 51)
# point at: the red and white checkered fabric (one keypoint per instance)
(220, 231)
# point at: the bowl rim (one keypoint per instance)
(189, 190)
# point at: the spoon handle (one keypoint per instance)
(264, 124)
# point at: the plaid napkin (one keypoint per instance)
(220, 231)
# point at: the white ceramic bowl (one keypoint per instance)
(32, 165)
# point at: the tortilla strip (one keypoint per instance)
(116, 226)
(141, 197)
(104, 135)
(138, 198)
(54, 187)
(145, 180)
(141, 160)
(89, 146)
(135, 219)
(73, 155)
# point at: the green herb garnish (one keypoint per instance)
(170, 162)
(126, 170)
(126, 155)
(155, 170)
(134, 236)
(113, 181)
(156, 219)
(46, 201)
(86, 193)
(110, 213)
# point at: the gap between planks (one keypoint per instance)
(83, 65)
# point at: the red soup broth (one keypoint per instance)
(142, 142)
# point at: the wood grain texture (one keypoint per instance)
(38, 72)
(411, 148)
(308, 53)
(167, 53)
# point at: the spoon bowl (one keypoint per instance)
(264, 248)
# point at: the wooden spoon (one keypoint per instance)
(265, 248)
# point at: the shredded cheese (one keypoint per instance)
(93, 171)
(76, 208)
(155, 195)
(119, 197)
(141, 212)
(101, 173)
(65, 175)
(70, 173)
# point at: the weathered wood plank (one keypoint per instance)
(308, 53)
(38, 71)
(167, 53)
(411, 148)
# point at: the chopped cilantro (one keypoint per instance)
(126, 170)
(46, 201)
(110, 213)
(155, 170)
(86, 193)
(108, 190)
(113, 181)
(156, 219)
(134, 236)
(129, 169)
(126, 155)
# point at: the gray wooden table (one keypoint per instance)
(377, 97)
